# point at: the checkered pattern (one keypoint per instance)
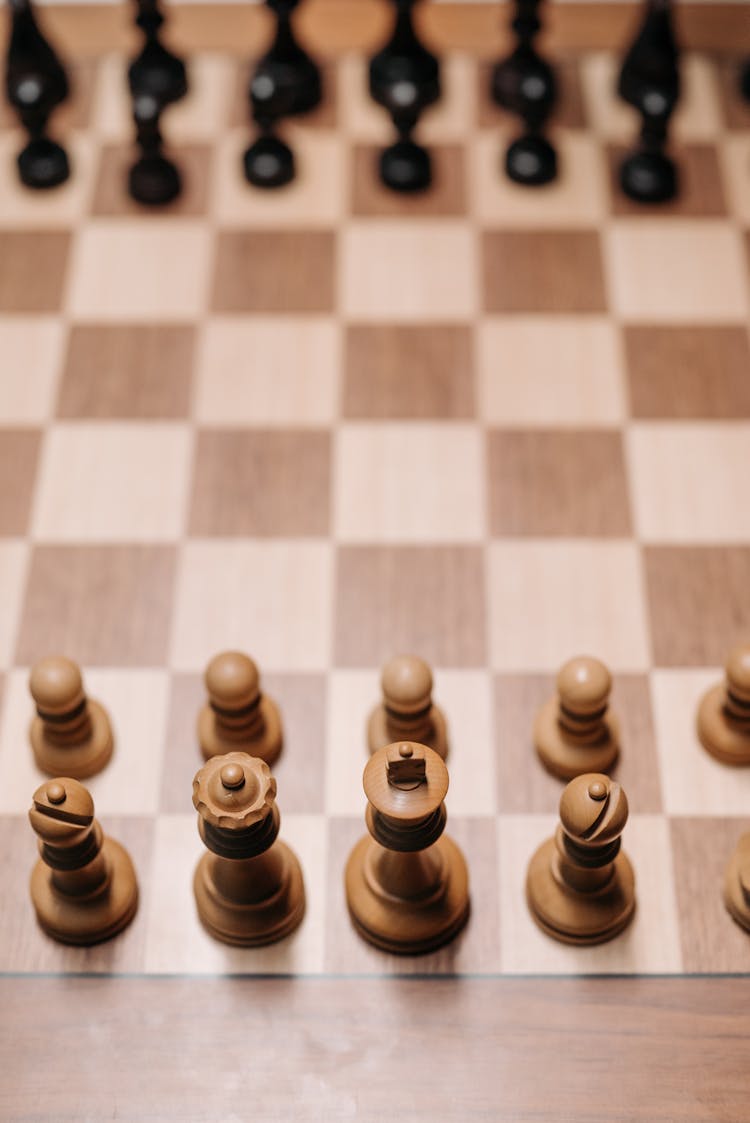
(494, 426)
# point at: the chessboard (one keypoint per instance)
(494, 426)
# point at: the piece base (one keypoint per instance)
(734, 898)
(582, 919)
(77, 761)
(43, 164)
(649, 177)
(86, 921)
(255, 925)
(399, 925)
(531, 161)
(269, 163)
(154, 181)
(719, 736)
(214, 741)
(378, 733)
(406, 167)
(566, 758)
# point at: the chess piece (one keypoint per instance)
(35, 82)
(286, 82)
(153, 179)
(737, 883)
(574, 733)
(524, 84)
(238, 715)
(83, 887)
(650, 82)
(71, 734)
(407, 712)
(405, 80)
(745, 80)
(155, 72)
(724, 712)
(407, 887)
(248, 887)
(580, 887)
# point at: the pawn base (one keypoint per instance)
(531, 161)
(214, 740)
(407, 926)
(251, 925)
(154, 181)
(718, 734)
(649, 177)
(77, 761)
(269, 163)
(566, 758)
(736, 874)
(87, 920)
(406, 167)
(573, 917)
(43, 164)
(379, 734)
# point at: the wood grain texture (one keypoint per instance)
(338, 1049)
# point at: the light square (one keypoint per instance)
(112, 482)
(649, 945)
(314, 198)
(13, 562)
(130, 269)
(177, 943)
(577, 198)
(689, 482)
(465, 699)
(32, 354)
(685, 271)
(520, 383)
(136, 701)
(551, 599)
(266, 371)
(408, 271)
(37, 210)
(409, 483)
(273, 598)
(697, 116)
(200, 115)
(450, 119)
(693, 782)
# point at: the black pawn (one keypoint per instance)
(35, 83)
(155, 72)
(650, 82)
(405, 79)
(524, 84)
(153, 179)
(268, 162)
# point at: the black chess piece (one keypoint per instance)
(524, 83)
(155, 71)
(153, 179)
(35, 82)
(745, 80)
(650, 82)
(405, 80)
(286, 82)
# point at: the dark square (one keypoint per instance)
(446, 197)
(261, 483)
(700, 194)
(19, 453)
(408, 371)
(410, 598)
(558, 483)
(111, 197)
(553, 271)
(274, 271)
(698, 602)
(33, 269)
(101, 605)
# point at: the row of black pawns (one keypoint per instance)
(404, 78)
